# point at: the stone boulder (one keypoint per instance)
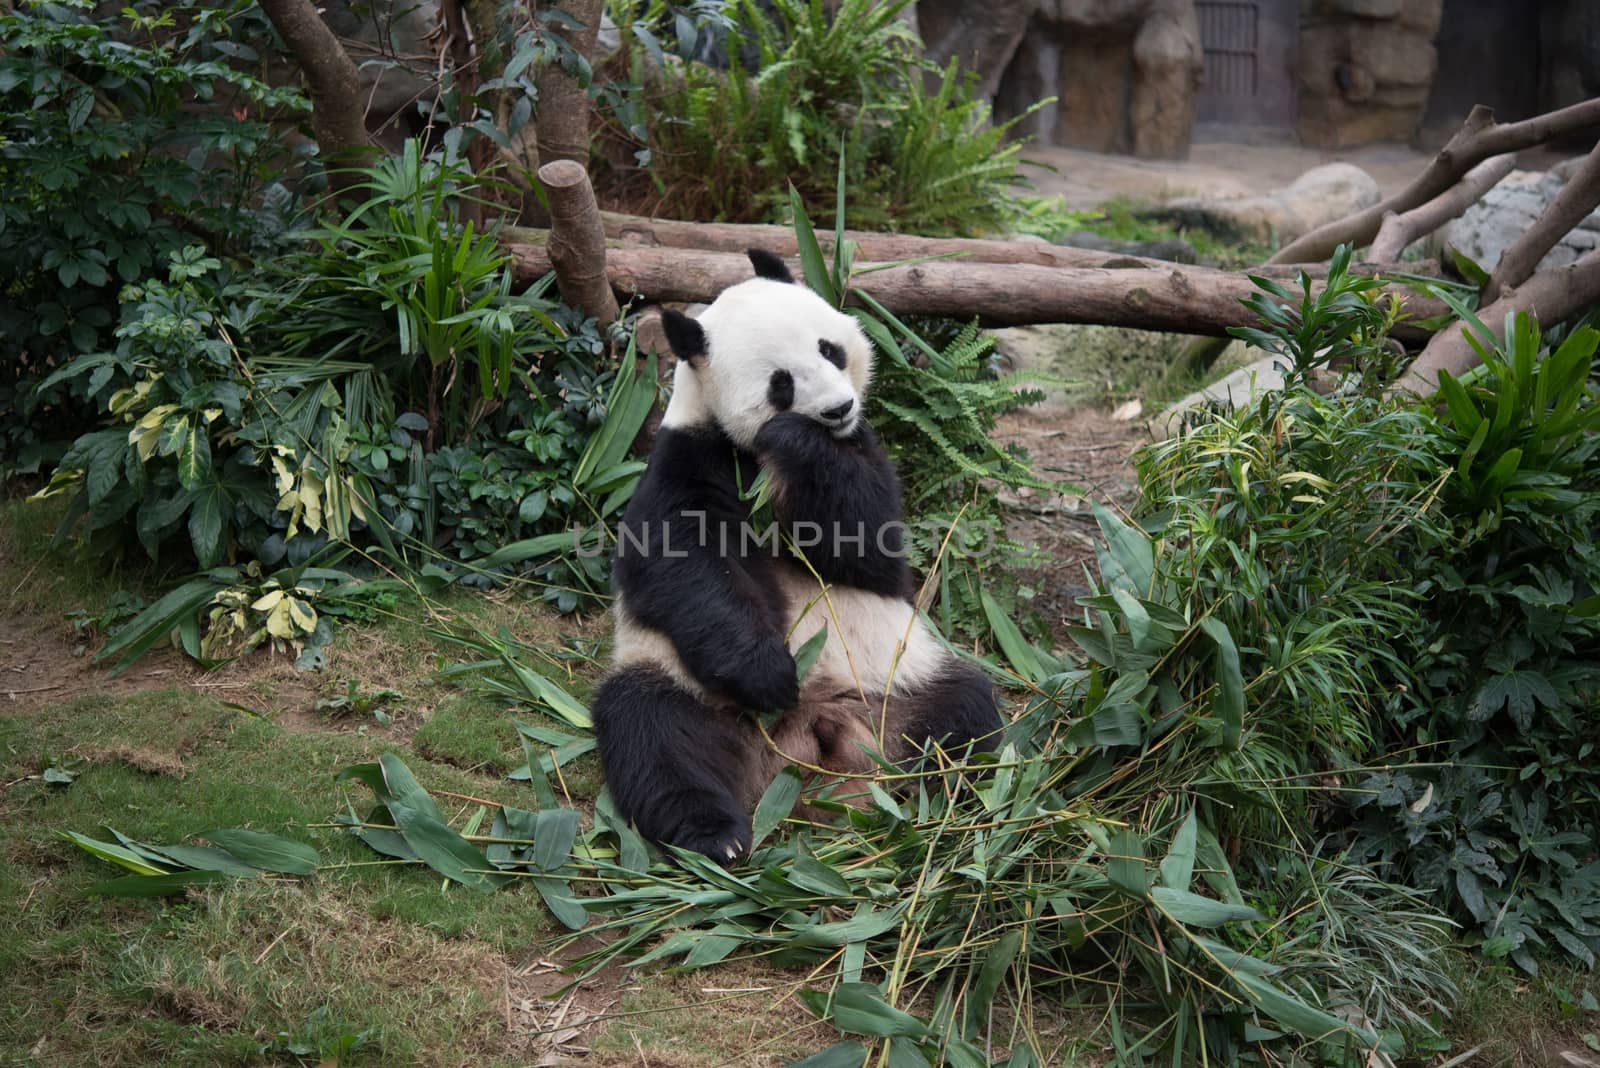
(1505, 213)
(1320, 195)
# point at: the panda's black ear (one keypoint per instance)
(769, 265)
(684, 336)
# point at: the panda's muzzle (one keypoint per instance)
(838, 412)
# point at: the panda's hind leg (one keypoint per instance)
(676, 767)
(954, 708)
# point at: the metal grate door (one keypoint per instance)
(1249, 48)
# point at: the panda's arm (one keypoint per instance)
(839, 501)
(675, 578)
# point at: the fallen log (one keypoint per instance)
(638, 231)
(1172, 298)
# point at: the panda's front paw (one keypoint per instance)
(765, 678)
(722, 836)
(790, 435)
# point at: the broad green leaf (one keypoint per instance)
(553, 834)
(811, 260)
(1025, 660)
(1290, 1012)
(266, 851)
(203, 858)
(1128, 559)
(1229, 701)
(903, 1053)
(443, 850)
(1177, 867)
(194, 457)
(996, 962)
(848, 1054)
(868, 923)
(859, 1008)
(557, 897)
(805, 657)
(164, 885)
(116, 854)
(1193, 910)
(1125, 866)
(775, 805)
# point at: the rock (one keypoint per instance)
(1320, 195)
(1175, 249)
(1241, 388)
(1494, 223)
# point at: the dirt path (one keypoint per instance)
(1085, 447)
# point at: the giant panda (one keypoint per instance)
(708, 615)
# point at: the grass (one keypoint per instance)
(372, 964)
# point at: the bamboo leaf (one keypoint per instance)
(266, 851)
(776, 804)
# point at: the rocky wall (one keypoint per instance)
(1365, 69)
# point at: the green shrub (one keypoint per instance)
(1501, 815)
(108, 171)
(805, 80)
(1417, 591)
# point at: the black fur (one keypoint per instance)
(769, 265)
(714, 596)
(831, 352)
(673, 765)
(684, 336)
(955, 710)
(846, 486)
(780, 390)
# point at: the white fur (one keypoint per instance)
(876, 644)
(758, 327)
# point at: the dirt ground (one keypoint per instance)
(1089, 449)
(1213, 169)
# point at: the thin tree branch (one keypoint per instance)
(1571, 206)
(1398, 231)
(1479, 138)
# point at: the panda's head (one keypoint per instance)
(764, 347)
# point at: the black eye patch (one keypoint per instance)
(831, 352)
(780, 390)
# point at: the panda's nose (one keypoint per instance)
(838, 411)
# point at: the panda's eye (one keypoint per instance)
(831, 352)
(780, 390)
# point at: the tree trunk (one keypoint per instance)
(1185, 300)
(1479, 138)
(563, 102)
(332, 82)
(578, 241)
